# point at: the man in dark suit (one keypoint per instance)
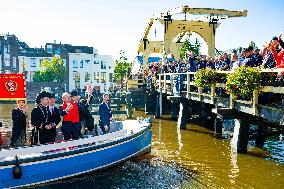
(54, 118)
(105, 114)
(40, 119)
(19, 117)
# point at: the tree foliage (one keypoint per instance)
(51, 71)
(252, 44)
(121, 66)
(187, 46)
(43, 76)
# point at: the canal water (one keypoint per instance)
(189, 158)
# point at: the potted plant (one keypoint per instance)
(204, 78)
(243, 82)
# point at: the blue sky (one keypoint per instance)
(111, 25)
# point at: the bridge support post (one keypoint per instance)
(150, 105)
(159, 106)
(261, 135)
(243, 125)
(218, 127)
(129, 107)
(174, 112)
(183, 113)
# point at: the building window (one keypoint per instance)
(49, 48)
(103, 77)
(78, 50)
(32, 76)
(103, 65)
(81, 64)
(7, 71)
(87, 61)
(75, 64)
(87, 76)
(14, 62)
(96, 62)
(98, 76)
(7, 62)
(110, 77)
(33, 62)
(64, 62)
(95, 75)
(7, 49)
(76, 76)
(57, 51)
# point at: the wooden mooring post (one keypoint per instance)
(183, 113)
(242, 126)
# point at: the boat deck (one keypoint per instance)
(118, 130)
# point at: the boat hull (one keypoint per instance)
(67, 166)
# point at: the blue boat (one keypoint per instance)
(27, 166)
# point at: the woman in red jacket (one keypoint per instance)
(278, 57)
(71, 126)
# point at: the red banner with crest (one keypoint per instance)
(12, 87)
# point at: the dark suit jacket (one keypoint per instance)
(19, 119)
(83, 107)
(38, 119)
(105, 114)
(55, 116)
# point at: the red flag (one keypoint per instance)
(12, 87)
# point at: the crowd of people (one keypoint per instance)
(45, 118)
(271, 56)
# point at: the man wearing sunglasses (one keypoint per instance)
(105, 114)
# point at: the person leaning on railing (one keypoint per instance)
(279, 57)
(268, 59)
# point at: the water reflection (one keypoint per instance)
(234, 163)
(180, 144)
(234, 154)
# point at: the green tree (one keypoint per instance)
(51, 71)
(121, 66)
(252, 44)
(187, 46)
(43, 76)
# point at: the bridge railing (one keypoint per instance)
(167, 83)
